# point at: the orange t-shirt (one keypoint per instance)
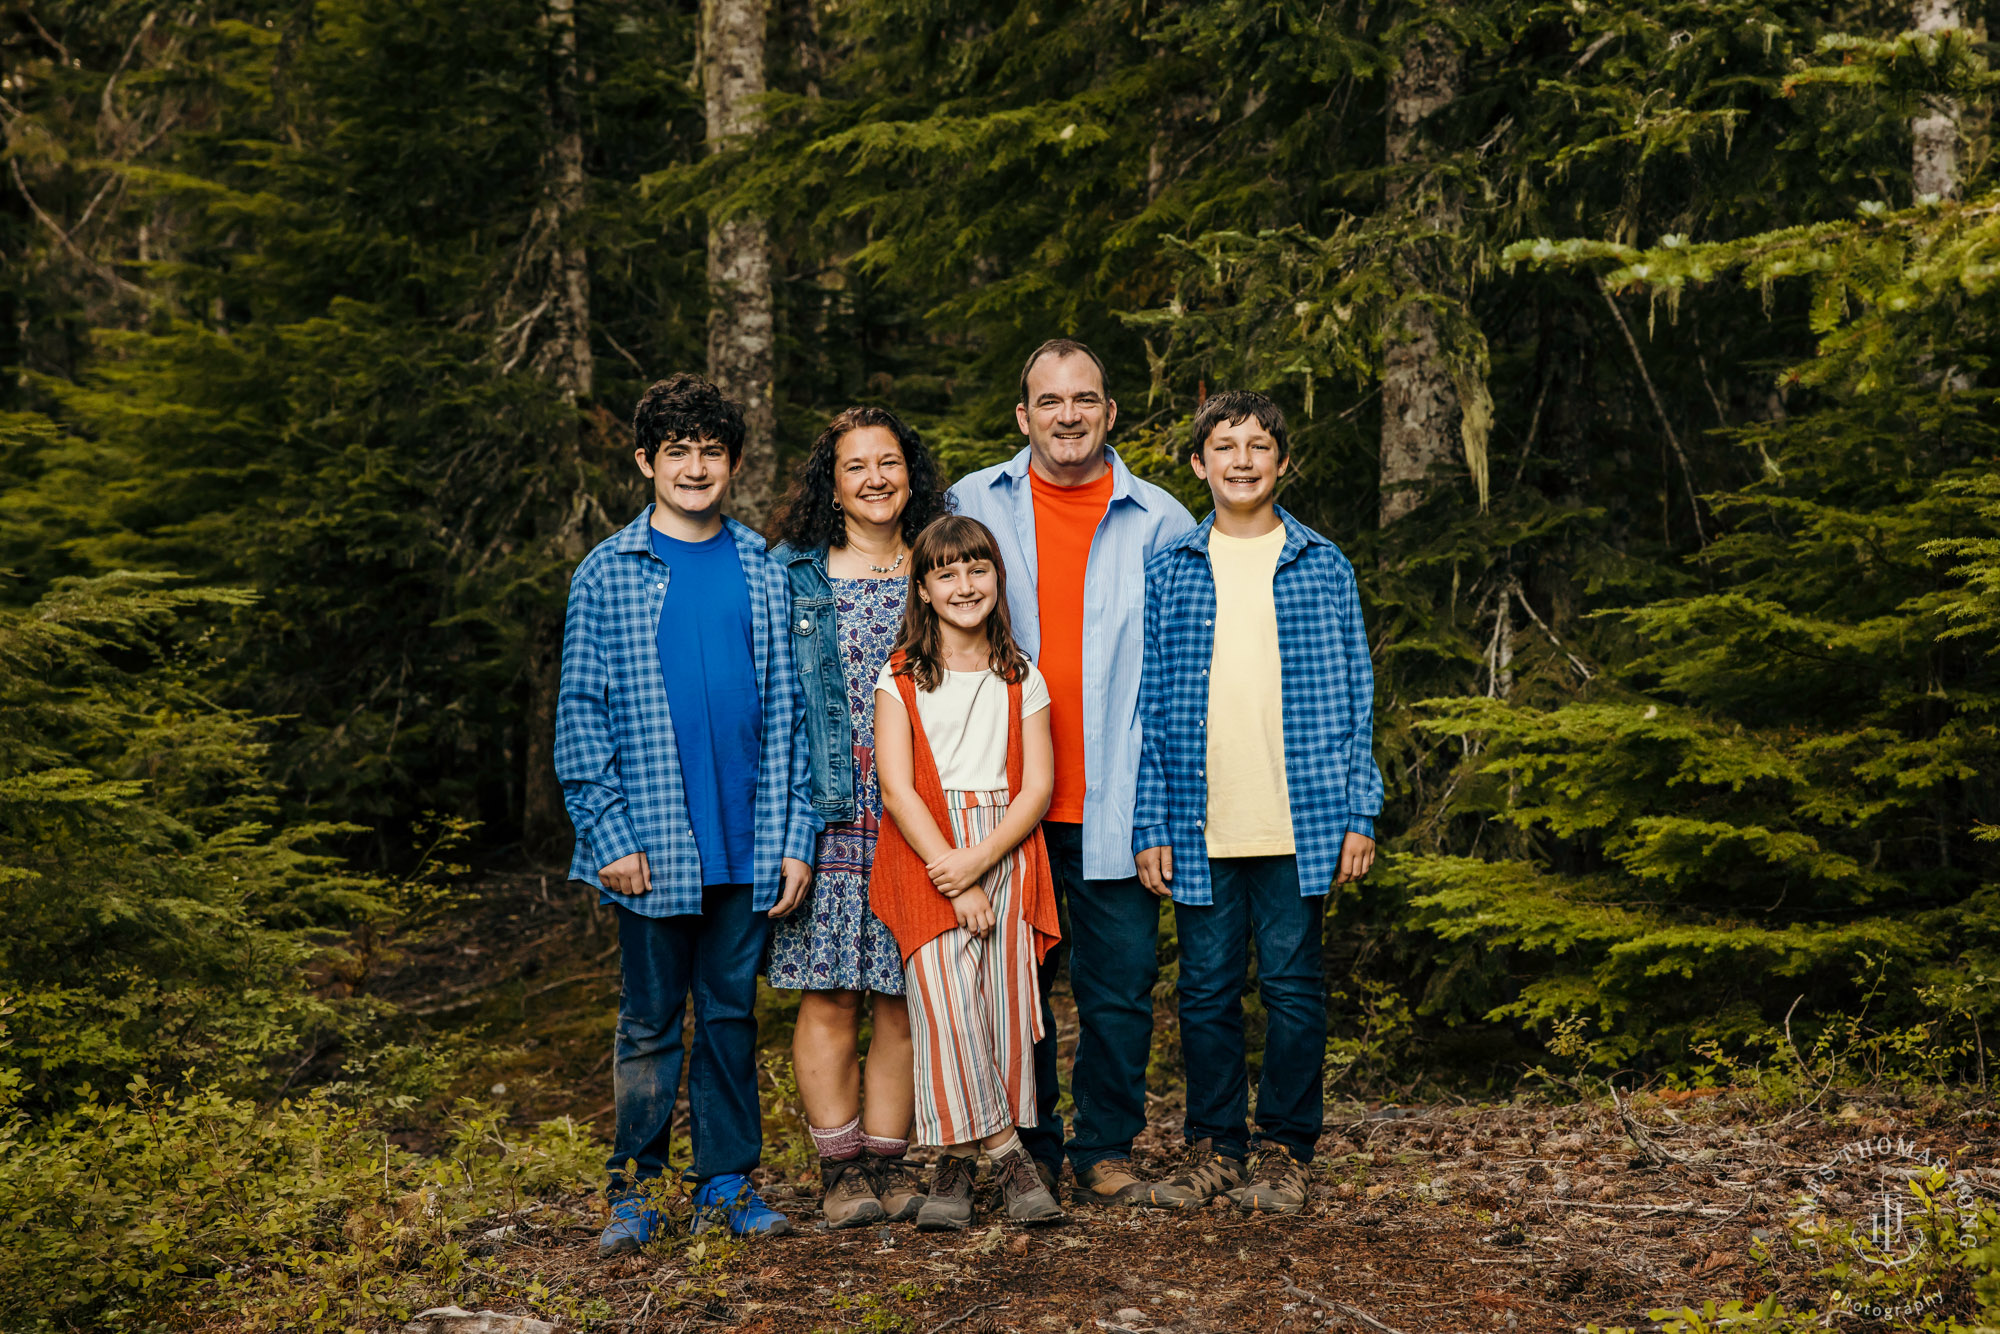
(1066, 519)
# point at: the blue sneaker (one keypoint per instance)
(633, 1222)
(731, 1201)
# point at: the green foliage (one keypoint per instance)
(159, 924)
(145, 1210)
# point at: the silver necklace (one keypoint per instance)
(892, 566)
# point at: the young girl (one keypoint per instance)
(961, 876)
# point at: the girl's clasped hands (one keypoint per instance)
(958, 875)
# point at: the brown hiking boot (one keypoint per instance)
(849, 1196)
(949, 1207)
(1277, 1184)
(1207, 1175)
(1113, 1182)
(897, 1185)
(1021, 1189)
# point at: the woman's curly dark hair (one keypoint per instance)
(812, 518)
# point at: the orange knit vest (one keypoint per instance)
(900, 889)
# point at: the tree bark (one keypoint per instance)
(1934, 135)
(561, 308)
(565, 357)
(1420, 403)
(740, 335)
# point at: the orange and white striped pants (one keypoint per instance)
(974, 1011)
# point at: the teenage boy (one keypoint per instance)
(681, 746)
(1257, 791)
(1075, 530)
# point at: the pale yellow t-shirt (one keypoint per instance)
(1249, 808)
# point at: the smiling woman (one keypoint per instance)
(864, 492)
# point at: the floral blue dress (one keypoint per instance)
(833, 942)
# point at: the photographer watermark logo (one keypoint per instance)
(1893, 1192)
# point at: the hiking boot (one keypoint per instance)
(1277, 1184)
(1208, 1174)
(897, 1185)
(730, 1201)
(1022, 1191)
(848, 1198)
(949, 1207)
(1113, 1181)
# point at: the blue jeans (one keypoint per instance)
(1111, 933)
(714, 955)
(1260, 895)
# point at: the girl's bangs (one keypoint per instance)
(952, 539)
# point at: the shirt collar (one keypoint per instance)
(787, 554)
(1297, 536)
(1122, 482)
(636, 536)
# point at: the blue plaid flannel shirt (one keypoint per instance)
(1329, 707)
(615, 752)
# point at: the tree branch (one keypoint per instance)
(14, 168)
(1660, 408)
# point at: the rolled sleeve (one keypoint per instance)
(1149, 809)
(803, 822)
(1363, 776)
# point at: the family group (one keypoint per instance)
(932, 743)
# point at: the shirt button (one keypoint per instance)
(1208, 622)
(659, 585)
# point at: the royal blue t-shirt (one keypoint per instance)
(710, 669)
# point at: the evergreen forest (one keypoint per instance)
(1639, 356)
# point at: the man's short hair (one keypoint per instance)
(1231, 406)
(1060, 348)
(687, 407)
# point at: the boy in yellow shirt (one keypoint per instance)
(1258, 792)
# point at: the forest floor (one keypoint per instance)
(1447, 1218)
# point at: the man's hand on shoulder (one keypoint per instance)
(1357, 854)
(628, 875)
(1156, 870)
(798, 879)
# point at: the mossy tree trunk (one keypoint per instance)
(1934, 134)
(1420, 404)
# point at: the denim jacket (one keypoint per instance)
(822, 681)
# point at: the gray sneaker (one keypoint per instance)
(949, 1208)
(1207, 1175)
(849, 1196)
(1021, 1189)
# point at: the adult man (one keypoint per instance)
(677, 703)
(1076, 529)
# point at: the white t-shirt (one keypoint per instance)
(965, 720)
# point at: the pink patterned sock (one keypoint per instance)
(840, 1144)
(887, 1148)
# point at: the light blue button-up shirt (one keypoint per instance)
(1141, 521)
